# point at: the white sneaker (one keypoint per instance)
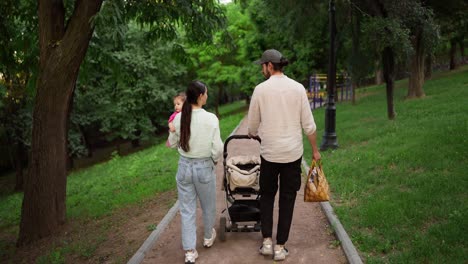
(280, 252)
(208, 242)
(267, 247)
(191, 256)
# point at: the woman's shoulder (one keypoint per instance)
(210, 116)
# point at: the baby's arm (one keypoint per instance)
(171, 127)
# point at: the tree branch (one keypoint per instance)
(78, 31)
(51, 26)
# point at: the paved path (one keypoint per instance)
(310, 239)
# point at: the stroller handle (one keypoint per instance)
(238, 137)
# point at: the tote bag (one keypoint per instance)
(316, 188)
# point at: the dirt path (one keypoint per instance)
(310, 240)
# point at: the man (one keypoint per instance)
(279, 111)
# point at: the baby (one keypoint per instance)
(178, 103)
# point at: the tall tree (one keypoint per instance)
(452, 17)
(63, 40)
(62, 46)
(395, 29)
(384, 36)
(424, 35)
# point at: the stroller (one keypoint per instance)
(241, 185)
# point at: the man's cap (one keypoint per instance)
(270, 55)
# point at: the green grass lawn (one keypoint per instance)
(399, 187)
(128, 180)
(232, 108)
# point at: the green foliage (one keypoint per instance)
(225, 63)
(98, 190)
(383, 32)
(126, 91)
(451, 16)
(131, 71)
(126, 84)
(298, 29)
(396, 24)
(394, 183)
(197, 18)
(18, 68)
(418, 20)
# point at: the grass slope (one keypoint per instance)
(399, 187)
(123, 181)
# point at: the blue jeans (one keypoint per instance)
(196, 178)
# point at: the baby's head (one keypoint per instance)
(179, 101)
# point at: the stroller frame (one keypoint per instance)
(239, 210)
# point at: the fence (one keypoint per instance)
(317, 91)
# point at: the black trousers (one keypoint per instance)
(289, 183)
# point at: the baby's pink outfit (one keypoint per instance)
(172, 116)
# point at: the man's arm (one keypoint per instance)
(313, 143)
(308, 124)
(253, 116)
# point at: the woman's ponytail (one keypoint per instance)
(193, 92)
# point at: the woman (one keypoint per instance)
(199, 144)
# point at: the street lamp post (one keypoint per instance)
(329, 137)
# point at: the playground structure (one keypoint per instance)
(317, 91)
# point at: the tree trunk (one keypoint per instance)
(462, 51)
(61, 54)
(19, 166)
(353, 93)
(428, 67)
(388, 61)
(45, 186)
(136, 142)
(416, 80)
(453, 52)
(378, 77)
(85, 139)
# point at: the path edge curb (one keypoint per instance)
(138, 257)
(346, 244)
(153, 237)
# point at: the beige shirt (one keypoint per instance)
(279, 111)
(205, 139)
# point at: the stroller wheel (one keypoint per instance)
(222, 228)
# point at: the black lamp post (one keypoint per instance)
(329, 137)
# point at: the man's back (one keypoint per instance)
(280, 110)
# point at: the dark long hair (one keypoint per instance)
(194, 90)
(280, 65)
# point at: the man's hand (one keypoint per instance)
(316, 155)
(313, 143)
